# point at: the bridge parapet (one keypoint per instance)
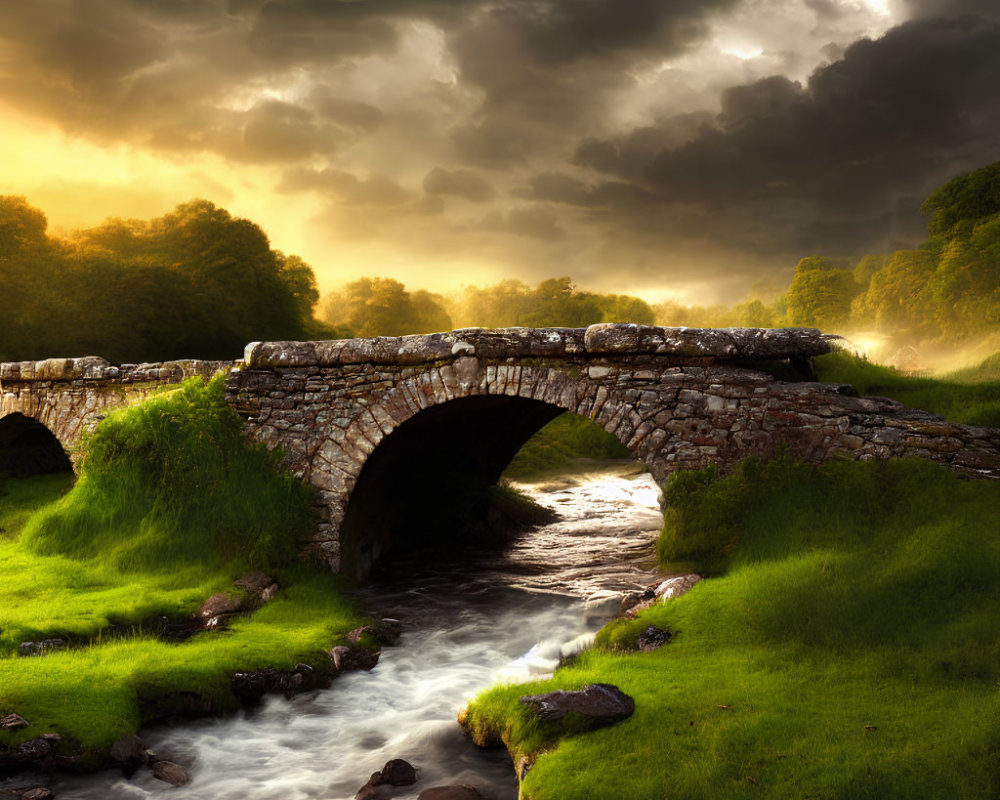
(597, 341)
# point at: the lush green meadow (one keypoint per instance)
(971, 396)
(845, 645)
(172, 504)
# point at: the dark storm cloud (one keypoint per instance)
(549, 68)
(458, 183)
(833, 165)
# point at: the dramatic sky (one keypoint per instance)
(669, 148)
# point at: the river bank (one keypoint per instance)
(506, 616)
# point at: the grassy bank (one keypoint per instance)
(971, 396)
(847, 646)
(172, 504)
(559, 446)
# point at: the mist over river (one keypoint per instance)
(468, 622)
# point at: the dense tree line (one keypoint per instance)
(384, 307)
(195, 283)
(198, 282)
(947, 289)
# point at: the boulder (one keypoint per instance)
(128, 749)
(632, 599)
(396, 772)
(26, 793)
(253, 685)
(652, 638)
(598, 703)
(42, 647)
(675, 587)
(38, 749)
(13, 722)
(350, 658)
(386, 631)
(169, 772)
(454, 792)
(217, 607)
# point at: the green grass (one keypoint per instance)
(954, 397)
(173, 503)
(987, 370)
(559, 445)
(847, 648)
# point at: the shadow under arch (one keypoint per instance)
(28, 447)
(427, 483)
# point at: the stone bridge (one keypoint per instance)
(390, 430)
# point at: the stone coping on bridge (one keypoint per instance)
(94, 368)
(605, 339)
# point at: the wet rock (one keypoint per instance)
(37, 750)
(26, 793)
(169, 772)
(42, 647)
(396, 772)
(128, 749)
(632, 599)
(455, 792)
(599, 703)
(253, 685)
(386, 631)
(13, 722)
(37, 793)
(675, 587)
(350, 658)
(217, 608)
(652, 638)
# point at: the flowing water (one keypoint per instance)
(467, 623)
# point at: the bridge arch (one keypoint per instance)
(29, 447)
(425, 442)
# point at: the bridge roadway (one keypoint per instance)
(387, 428)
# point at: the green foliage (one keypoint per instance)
(383, 307)
(562, 442)
(963, 201)
(172, 482)
(556, 302)
(820, 294)
(850, 650)
(172, 505)
(971, 403)
(195, 283)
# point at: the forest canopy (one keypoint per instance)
(194, 283)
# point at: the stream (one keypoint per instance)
(467, 623)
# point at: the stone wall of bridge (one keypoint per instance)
(442, 413)
(70, 395)
(386, 428)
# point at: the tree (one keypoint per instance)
(955, 207)
(820, 294)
